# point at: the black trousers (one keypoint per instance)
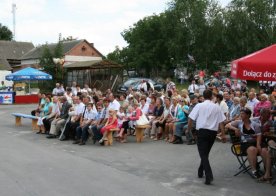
(70, 129)
(47, 123)
(205, 141)
(125, 126)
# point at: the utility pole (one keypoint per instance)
(13, 14)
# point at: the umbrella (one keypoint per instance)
(28, 74)
(260, 65)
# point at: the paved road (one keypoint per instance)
(32, 165)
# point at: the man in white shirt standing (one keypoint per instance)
(74, 88)
(201, 87)
(209, 118)
(193, 88)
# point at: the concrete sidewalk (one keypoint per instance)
(32, 165)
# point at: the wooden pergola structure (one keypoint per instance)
(101, 74)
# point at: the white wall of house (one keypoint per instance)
(2, 77)
(29, 61)
(70, 58)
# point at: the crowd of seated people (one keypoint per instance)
(84, 112)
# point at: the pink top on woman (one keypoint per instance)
(260, 105)
(137, 114)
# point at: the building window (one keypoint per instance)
(83, 48)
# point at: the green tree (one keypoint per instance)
(201, 28)
(5, 33)
(49, 66)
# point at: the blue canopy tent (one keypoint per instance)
(28, 74)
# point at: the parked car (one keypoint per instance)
(134, 82)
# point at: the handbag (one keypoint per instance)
(142, 120)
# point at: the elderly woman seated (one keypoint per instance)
(264, 103)
(250, 137)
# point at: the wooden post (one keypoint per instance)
(109, 140)
(109, 136)
(140, 132)
(34, 124)
(18, 121)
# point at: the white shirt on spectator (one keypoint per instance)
(69, 97)
(115, 105)
(207, 115)
(79, 108)
(90, 115)
(121, 118)
(55, 109)
(148, 100)
(74, 90)
(223, 106)
(57, 91)
(192, 88)
(145, 108)
(252, 102)
(201, 89)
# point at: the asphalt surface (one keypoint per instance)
(31, 165)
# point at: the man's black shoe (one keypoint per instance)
(76, 142)
(200, 172)
(191, 142)
(208, 181)
(178, 141)
(51, 136)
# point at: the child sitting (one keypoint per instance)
(121, 119)
(111, 123)
(125, 125)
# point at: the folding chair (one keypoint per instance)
(244, 166)
(272, 151)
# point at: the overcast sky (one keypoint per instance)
(98, 21)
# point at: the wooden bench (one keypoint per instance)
(139, 129)
(18, 117)
(109, 136)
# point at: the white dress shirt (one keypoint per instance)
(223, 106)
(114, 105)
(90, 115)
(145, 108)
(207, 115)
(192, 88)
(79, 108)
(252, 102)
